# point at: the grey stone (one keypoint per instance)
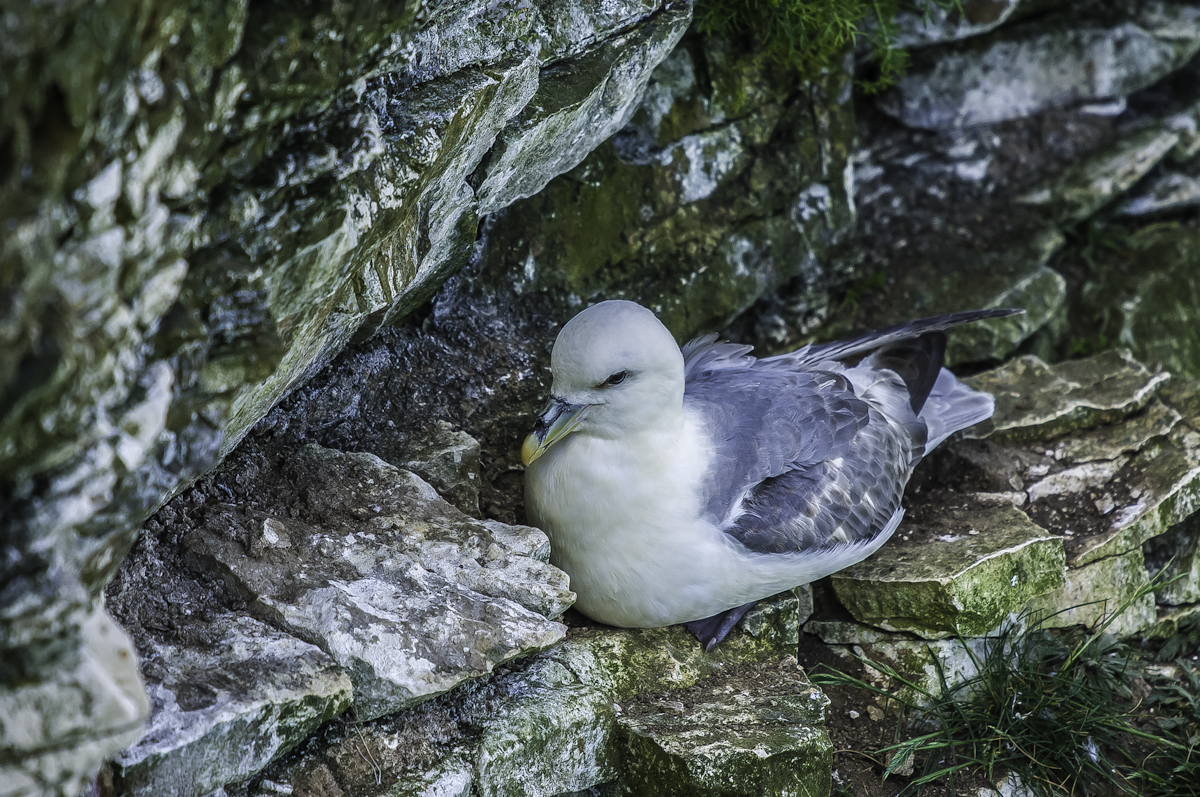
(936, 24)
(695, 209)
(757, 732)
(1110, 442)
(226, 709)
(449, 460)
(928, 665)
(954, 572)
(1152, 309)
(1015, 277)
(1036, 401)
(406, 593)
(554, 725)
(56, 730)
(575, 108)
(1091, 184)
(227, 201)
(1167, 193)
(1109, 590)
(1034, 66)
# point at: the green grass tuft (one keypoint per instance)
(810, 35)
(1067, 712)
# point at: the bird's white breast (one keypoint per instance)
(624, 522)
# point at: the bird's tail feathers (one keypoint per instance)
(917, 361)
(952, 406)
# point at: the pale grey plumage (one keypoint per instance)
(706, 478)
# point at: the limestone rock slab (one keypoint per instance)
(231, 202)
(56, 730)
(405, 592)
(1111, 441)
(954, 571)
(449, 460)
(927, 664)
(1017, 276)
(1051, 62)
(576, 107)
(757, 732)
(1104, 589)
(1152, 308)
(550, 724)
(1169, 192)
(224, 710)
(1092, 183)
(1036, 401)
(936, 24)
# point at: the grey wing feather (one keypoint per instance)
(844, 501)
(809, 454)
(764, 423)
(869, 341)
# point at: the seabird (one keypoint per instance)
(684, 486)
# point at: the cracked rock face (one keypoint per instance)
(1034, 66)
(1085, 485)
(730, 181)
(223, 711)
(604, 709)
(92, 697)
(205, 206)
(365, 561)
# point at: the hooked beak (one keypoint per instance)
(557, 420)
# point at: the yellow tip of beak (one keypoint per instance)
(530, 450)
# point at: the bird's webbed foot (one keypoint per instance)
(711, 630)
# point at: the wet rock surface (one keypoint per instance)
(1094, 52)
(245, 198)
(222, 711)
(1083, 486)
(199, 216)
(731, 180)
(579, 716)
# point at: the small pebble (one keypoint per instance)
(853, 714)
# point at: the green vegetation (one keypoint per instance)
(1072, 711)
(813, 34)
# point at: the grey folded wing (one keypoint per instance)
(799, 461)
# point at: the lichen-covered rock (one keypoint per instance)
(223, 711)
(449, 460)
(953, 572)
(205, 204)
(1111, 590)
(1051, 62)
(730, 180)
(406, 593)
(929, 665)
(90, 694)
(1092, 183)
(554, 724)
(757, 732)
(1152, 307)
(1102, 458)
(935, 24)
(1014, 278)
(1169, 192)
(1036, 401)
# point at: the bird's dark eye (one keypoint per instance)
(615, 379)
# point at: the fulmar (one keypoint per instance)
(684, 486)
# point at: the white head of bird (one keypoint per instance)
(617, 371)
